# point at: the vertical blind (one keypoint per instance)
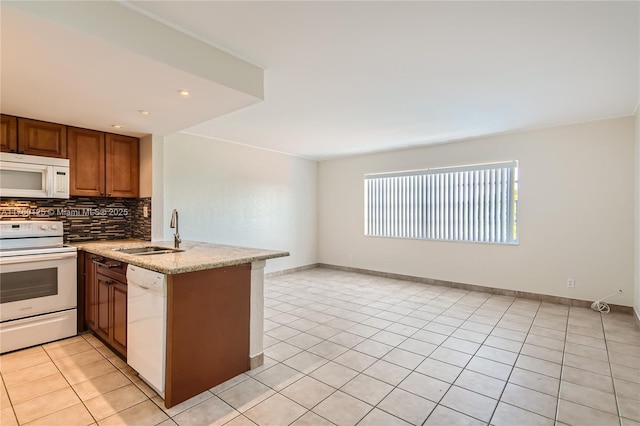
(468, 203)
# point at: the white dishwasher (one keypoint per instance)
(146, 324)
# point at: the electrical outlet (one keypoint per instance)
(145, 211)
(571, 283)
(350, 257)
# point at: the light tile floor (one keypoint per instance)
(347, 349)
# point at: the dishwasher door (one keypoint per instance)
(146, 325)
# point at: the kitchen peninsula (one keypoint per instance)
(214, 307)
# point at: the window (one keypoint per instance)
(468, 203)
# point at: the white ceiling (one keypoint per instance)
(343, 78)
(95, 64)
(351, 77)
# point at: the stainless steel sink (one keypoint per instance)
(145, 251)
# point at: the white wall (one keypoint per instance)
(238, 195)
(146, 166)
(637, 216)
(157, 188)
(576, 212)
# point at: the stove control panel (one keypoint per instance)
(30, 228)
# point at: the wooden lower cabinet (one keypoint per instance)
(106, 302)
(119, 317)
(90, 293)
(103, 303)
(208, 314)
(207, 328)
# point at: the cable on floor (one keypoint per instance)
(600, 306)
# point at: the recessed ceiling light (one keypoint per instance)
(184, 93)
(144, 112)
(117, 126)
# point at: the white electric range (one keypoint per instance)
(38, 284)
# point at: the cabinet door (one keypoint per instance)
(103, 298)
(86, 161)
(8, 133)
(123, 168)
(42, 138)
(90, 293)
(119, 317)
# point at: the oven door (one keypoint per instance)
(37, 284)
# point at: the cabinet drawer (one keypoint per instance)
(110, 268)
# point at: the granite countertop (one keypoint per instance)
(197, 256)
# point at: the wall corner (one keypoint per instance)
(157, 188)
(636, 215)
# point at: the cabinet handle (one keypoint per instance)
(21, 152)
(13, 150)
(108, 194)
(100, 262)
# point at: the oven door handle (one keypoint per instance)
(36, 258)
(106, 265)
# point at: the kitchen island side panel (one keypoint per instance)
(208, 320)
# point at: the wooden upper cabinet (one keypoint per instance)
(103, 165)
(122, 166)
(42, 138)
(87, 162)
(8, 133)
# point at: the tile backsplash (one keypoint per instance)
(141, 225)
(86, 218)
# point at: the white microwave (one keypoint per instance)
(31, 176)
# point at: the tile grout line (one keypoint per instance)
(13, 411)
(513, 367)
(406, 298)
(70, 385)
(101, 394)
(94, 348)
(335, 390)
(346, 330)
(613, 382)
(442, 312)
(396, 346)
(348, 349)
(437, 403)
(104, 357)
(473, 355)
(481, 344)
(592, 372)
(66, 380)
(458, 327)
(564, 348)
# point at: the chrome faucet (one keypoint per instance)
(174, 224)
